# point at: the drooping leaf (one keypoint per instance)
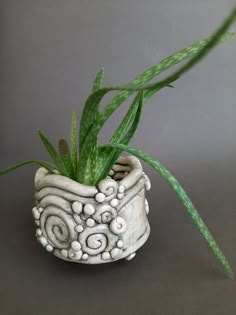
(90, 127)
(98, 80)
(94, 99)
(198, 53)
(49, 166)
(180, 192)
(52, 152)
(73, 142)
(66, 157)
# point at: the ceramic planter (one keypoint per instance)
(89, 224)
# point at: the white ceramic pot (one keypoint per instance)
(89, 224)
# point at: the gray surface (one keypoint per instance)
(50, 52)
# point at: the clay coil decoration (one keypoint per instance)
(89, 224)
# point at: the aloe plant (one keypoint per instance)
(88, 162)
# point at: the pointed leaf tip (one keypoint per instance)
(187, 203)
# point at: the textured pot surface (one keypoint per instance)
(89, 224)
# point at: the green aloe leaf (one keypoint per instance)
(133, 128)
(73, 142)
(89, 117)
(98, 80)
(52, 152)
(203, 52)
(180, 192)
(87, 149)
(87, 163)
(66, 157)
(92, 159)
(198, 53)
(90, 178)
(108, 156)
(91, 140)
(49, 166)
(133, 114)
(94, 99)
(91, 127)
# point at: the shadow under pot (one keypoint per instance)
(93, 225)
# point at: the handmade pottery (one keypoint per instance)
(89, 224)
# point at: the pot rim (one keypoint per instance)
(114, 208)
(45, 179)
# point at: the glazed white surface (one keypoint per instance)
(92, 225)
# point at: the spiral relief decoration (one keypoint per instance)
(104, 214)
(118, 225)
(87, 223)
(58, 227)
(107, 190)
(95, 240)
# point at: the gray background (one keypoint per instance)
(50, 53)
